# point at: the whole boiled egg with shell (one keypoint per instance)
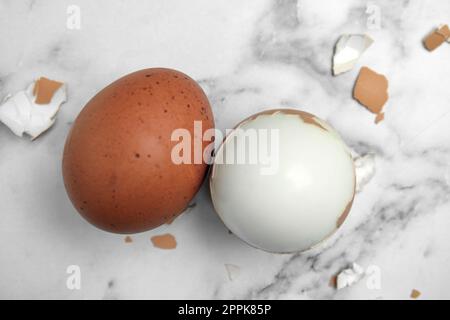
(296, 194)
(117, 165)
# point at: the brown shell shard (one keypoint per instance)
(309, 118)
(415, 293)
(128, 239)
(44, 89)
(371, 90)
(436, 38)
(305, 116)
(333, 281)
(165, 241)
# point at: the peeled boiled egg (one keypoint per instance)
(289, 188)
(118, 167)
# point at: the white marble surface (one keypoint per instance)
(249, 56)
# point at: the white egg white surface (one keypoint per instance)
(301, 203)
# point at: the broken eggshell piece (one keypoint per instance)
(164, 241)
(302, 201)
(350, 276)
(371, 90)
(437, 37)
(348, 50)
(21, 114)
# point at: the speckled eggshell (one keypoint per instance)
(117, 163)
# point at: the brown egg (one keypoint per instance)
(117, 164)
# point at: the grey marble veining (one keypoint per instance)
(248, 56)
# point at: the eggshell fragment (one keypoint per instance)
(300, 204)
(365, 169)
(437, 37)
(165, 241)
(349, 276)
(117, 164)
(415, 294)
(333, 281)
(24, 116)
(348, 50)
(371, 90)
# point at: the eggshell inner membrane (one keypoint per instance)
(303, 202)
